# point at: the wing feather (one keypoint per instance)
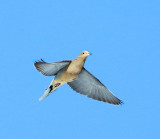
(89, 85)
(50, 69)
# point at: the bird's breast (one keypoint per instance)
(71, 72)
(75, 68)
(67, 77)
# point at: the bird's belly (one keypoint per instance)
(67, 77)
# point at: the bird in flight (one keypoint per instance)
(77, 77)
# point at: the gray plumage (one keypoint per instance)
(77, 77)
(50, 69)
(90, 86)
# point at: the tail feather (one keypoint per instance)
(46, 93)
(53, 86)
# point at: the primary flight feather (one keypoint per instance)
(77, 77)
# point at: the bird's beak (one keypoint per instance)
(90, 53)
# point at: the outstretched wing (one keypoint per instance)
(89, 85)
(50, 69)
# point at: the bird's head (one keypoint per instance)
(84, 54)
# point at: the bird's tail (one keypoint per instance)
(47, 92)
(50, 89)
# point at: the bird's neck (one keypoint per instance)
(79, 61)
(76, 65)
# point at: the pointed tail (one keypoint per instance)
(47, 92)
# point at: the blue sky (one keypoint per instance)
(124, 37)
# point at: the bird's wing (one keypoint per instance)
(50, 69)
(89, 85)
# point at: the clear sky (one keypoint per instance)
(124, 37)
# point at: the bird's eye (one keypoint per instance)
(83, 53)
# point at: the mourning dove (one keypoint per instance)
(77, 77)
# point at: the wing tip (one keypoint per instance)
(39, 61)
(114, 102)
(119, 102)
